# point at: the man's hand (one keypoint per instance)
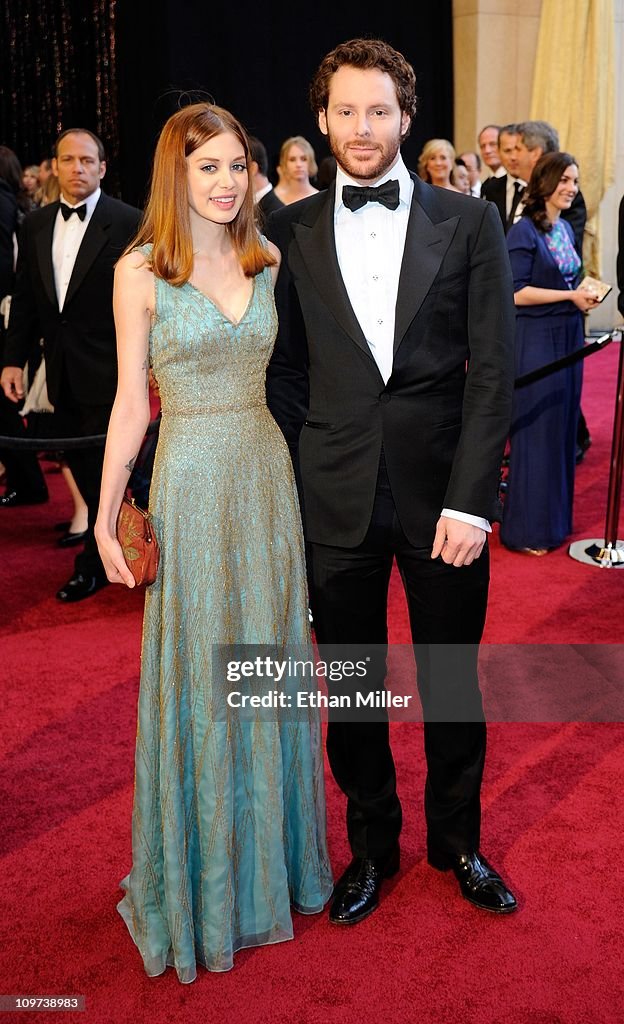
(12, 381)
(457, 542)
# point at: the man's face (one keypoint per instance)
(78, 167)
(363, 122)
(488, 144)
(508, 149)
(526, 159)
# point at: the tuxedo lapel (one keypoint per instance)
(43, 246)
(316, 242)
(95, 238)
(426, 244)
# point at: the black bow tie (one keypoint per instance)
(355, 197)
(68, 210)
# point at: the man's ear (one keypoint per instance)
(102, 168)
(253, 168)
(405, 123)
(322, 121)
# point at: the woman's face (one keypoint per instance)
(217, 178)
(296, 165)
(439, 166)
(30, 181)
(563, 196)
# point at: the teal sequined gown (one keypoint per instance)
(228, 826)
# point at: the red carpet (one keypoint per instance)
(553, 818)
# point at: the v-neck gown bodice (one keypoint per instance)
(228, 820)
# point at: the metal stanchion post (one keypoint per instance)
(608, 552)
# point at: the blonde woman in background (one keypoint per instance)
(297, 164)
(30, 182)
(48, 191)
(435, 163)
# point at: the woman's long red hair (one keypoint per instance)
(166, 222)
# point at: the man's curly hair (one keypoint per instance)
(365, 54)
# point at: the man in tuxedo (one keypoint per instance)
(392, 379)
(506, 190)
(264, 193)
(520, 146)
(487, 140)
(63, 293)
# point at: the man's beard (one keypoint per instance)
(351, 166)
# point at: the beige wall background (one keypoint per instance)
(494, 45)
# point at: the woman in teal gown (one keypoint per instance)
(228, 827)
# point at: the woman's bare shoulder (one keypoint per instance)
(135, 260)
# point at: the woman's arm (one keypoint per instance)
(278, 256)
(532, 296)
(133, 306)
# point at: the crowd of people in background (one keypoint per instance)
(500, 170)
(344, 336)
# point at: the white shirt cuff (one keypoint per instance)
(464, 517)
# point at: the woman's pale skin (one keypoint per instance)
(439, 167)
(561, 199)
(461, 179)
(294, 175)
(30, 181)
(217, 183)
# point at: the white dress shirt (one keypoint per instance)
(66, 241)
(369, 246)
(509, 195)
(262, 192)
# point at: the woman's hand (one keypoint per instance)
(584, 299)
(112, 557)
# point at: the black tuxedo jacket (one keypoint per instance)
(495, 190)
(270, 203)
(79, 342)
(443, 416)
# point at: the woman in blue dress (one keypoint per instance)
(549, 324)
(228, 828)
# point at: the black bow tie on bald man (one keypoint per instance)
(355, 197)
(68, 210)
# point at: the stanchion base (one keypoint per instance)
(595, 552)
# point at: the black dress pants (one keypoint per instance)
(74, 419)
(447, 613)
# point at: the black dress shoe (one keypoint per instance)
(69, 539)
(12, 498)
(478, 881)
(357, 892)
(79, 587)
